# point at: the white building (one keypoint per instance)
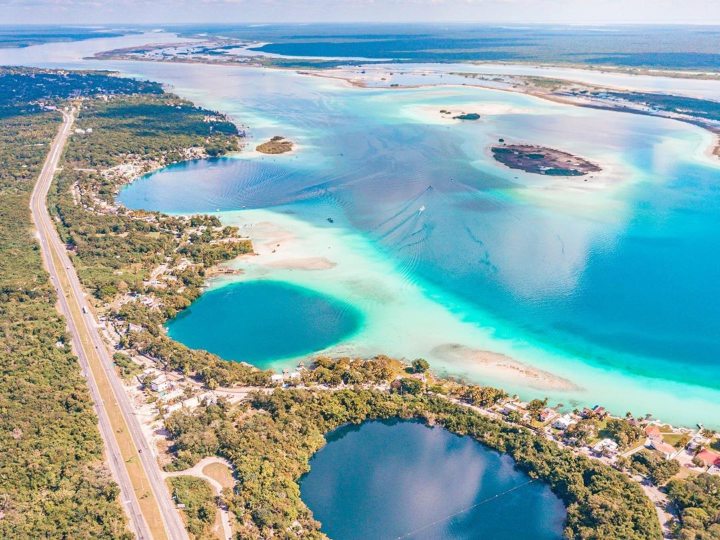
(208, 398)
(159, 384)
(663, 448)
(174, 407)
(606, 447)
(171, 396)
(564, 422)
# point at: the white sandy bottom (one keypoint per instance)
(408, 320)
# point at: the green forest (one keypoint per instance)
(270, 441)
(53, 482)
(198, 499)
(698, 500)
(115, 249)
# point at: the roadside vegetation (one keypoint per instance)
(53, 482)
(198, 504)
(116, 250)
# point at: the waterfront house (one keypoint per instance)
(709, 458)
(697, 442)
(508, 408)
(564, 422)
(600, 412)
(662, 448)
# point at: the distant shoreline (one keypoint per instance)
(535, 91)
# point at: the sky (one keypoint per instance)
(488, 11)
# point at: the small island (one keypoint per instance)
(541, 160)
(467, 116)
(461, 115)
(276, 145)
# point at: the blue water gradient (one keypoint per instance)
(390, 479)
(614, 287)
(624, 275)
(259, 322)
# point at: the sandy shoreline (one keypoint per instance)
(280, 249)
(503, 367)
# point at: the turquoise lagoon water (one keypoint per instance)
(611, 283)
(406, 480)
(618, 273)
(263, 321)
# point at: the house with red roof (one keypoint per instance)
(708, 457)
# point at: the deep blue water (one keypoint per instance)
(384, 480)
(679, 47)
(27, 35)
(262, 321)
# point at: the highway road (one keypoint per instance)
(152, 511)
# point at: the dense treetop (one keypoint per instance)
(53, 481)
(21, 89)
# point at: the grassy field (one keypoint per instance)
(220, 473)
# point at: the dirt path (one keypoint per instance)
(197, 471)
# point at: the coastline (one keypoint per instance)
(501, 366)
(713, 151)
(255, 61)
(286, 253)
(484, 354)
(318, 267)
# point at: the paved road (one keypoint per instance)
(90, 348)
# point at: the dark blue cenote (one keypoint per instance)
(402, 479)
(262, 321)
